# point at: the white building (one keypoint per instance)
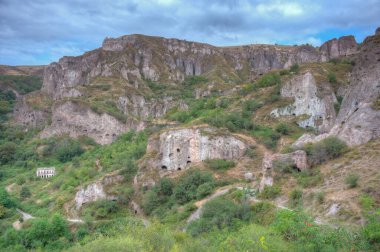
(45, 172)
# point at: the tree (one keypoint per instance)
(7, 152)
(25, 193)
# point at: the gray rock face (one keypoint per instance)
(134, 57)
(343, 46)
(298, 159)
(178, 149)
(24, 114)
(77, 120)
(137, 106)
(307, 101)
(357, 122)
(96, 191)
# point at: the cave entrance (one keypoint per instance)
(179, 168)
(164, 167)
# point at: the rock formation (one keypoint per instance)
(335, 48)
(96, 191)
(75, 120)
(357, 122)
(308, 101)
(297, 159)
(178, 149)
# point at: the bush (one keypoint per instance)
(194, 80)
(328, 148)
(320, 197)
(352, 180)
(263, 213)
(218, 213)
(283, 129)
(251, 105)
(270, 192)
(295, 198)
(25, 193)
(7, 152)
(220, 164)
(294, 68)
(266, 136)
(204, 190)
(284, 166)
(332, 78)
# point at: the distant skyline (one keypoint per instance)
(38, 32)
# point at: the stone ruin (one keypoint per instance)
(45, 172)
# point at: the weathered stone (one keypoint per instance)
(307, 101)
(180, 148)
(77, 120)
(299, 159)
(357, 122)
(96, 191)
(344, 46)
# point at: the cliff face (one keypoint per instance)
(308, 101)
(179, 149)
(128, 64)
(137, 57)
(357, 121)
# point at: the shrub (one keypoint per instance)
(217, 213)
(320, 197)
(5, 199)
(352, 180)
(251, 105)
(7, 152)
(263, 213)
(283, 129)
(266, 136)
(194, 80)
(283, 166)
(295, 198)
(25, 193)
(332, 77)
(294, 68)
(328, 148)
(220, 164)
(367, 202)
(204, 190)
(270, 192)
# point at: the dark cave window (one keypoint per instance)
(178, 150)
(188, 162)
(179, 168)
(164, 167)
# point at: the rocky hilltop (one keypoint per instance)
(122, 78)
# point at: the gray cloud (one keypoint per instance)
(41, 31)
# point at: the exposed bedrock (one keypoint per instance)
(358, 121)
(308, 101)
(96, 191)
(180, 148)
(297, 159)
(76, 120)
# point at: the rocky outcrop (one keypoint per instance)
(76, 120)
(344, 46)
(96, 191)
(297, 159)
(137, 106)
(178, 149)
(357, 122)
(25, 114)
(308, 101)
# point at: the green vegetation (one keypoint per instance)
(169, 194)
(328, 148)
(295, 198)
(20, 83)
(270, 192)
(7, 101)
(332, 78)
(220, 164)
(267, 80)
(352, 180)
(294, 68)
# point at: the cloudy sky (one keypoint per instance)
(36, 32)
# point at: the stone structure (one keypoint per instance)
(45, 172)
(298, 159)
(177, 149)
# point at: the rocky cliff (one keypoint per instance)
(122, 78)
(180, 148)
(318, 106)
(358, 121)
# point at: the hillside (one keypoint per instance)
(162, 144)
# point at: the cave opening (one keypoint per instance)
(179, 168)
(164, 167)
(178, 150)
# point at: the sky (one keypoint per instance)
(38, 32)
